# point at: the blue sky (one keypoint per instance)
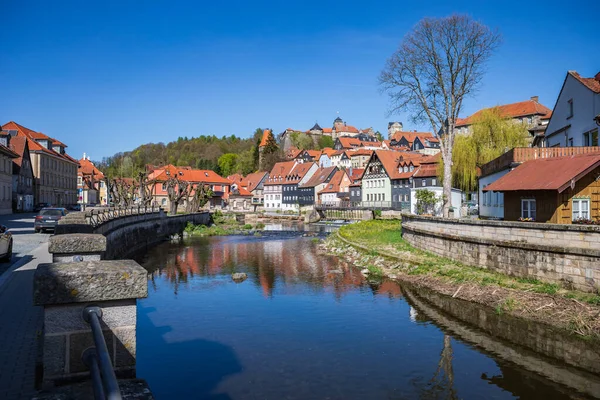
(108, 76)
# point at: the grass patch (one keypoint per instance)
(260, 225)
(384, 237)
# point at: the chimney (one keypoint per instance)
(535, 98)
(84, 156)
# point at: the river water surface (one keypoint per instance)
(302, 326)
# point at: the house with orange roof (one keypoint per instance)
(7, 157)
(575, 118)
(341, 159)
(91, 187)
(255, 185)
(274, 183)
(308, 156)
(299, 174)
(22, 172)
(55, 172)
(355, 175)
(423, 142)
(336, 191)
(248, 187)
(531, 113)
(308, 191)
(219, 186)
(349, 143)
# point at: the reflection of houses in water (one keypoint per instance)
(270, 263)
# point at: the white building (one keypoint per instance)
(438, 190)
(576, 114)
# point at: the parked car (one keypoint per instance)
(6, 244)
(472, 208)
(42, 205)
(48, 218)
(75, 207)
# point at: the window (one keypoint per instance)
(433, 182)
(164, 186)
(423, 182)
(570, 108)
(590, 138)
(581, 209)
(528, 208)
(412, 168)
(570, 142)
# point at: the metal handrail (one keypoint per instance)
(97, 359)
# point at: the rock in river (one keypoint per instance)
(239, 277)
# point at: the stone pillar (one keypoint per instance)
(76, 247)
(64, 290)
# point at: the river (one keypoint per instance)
(309, 326)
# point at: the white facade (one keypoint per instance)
(438, 190)
(272, 197)
(376, 189)
(491, 204)
(324, 161)
(573, 116)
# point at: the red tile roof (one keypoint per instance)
(265, 137)
(411, 136)
(329, 151)
(513, 110)
(189, 175)
(547, 173)
(347, 128)
(31, 140)
(327, 130)
(18, 144)
(87, 168)
(334, 184)
(591, 83)
(298, 171)
(252, 180)
(360, 152)
(280, 169)
(356, 174)
(8, 152)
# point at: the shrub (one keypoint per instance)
(426, 201)
(260, 225)
(247, 226)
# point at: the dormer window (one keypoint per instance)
(206, 174)
(412, 168)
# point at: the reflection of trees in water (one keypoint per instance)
(441, 385)
(270, 263)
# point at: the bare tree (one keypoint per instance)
(177, 190)
(437, 65)
(198, 197)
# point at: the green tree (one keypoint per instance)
(228, 163)
(325, 141)
(379, 136)
(492, 135)
(245, 162)
(426, 201)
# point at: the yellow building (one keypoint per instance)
(55, 172)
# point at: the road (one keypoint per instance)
(20, 321)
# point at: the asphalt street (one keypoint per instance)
(25, 240)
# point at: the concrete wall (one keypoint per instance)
(568, 255)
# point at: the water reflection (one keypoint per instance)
(307, 326)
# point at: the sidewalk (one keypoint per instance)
(20, 327)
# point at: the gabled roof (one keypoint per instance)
(292, 152)
(334, 184)
(360, 152)
(547, 174)
(297, 172)
(347, 128)
(18, 144)
(328, 151)
(356, 174)
(327, 130)
(87, 168)
(591, 83)
(513, 110)
(8, 152)
(391, 161)
(254, 179)
(316, 127)
(411, 136)
(237, 178)
(319, 177)
(34, 146)
(280, 169)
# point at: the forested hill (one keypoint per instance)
(202, 152)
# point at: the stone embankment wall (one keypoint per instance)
(568, 255)
(129, 234)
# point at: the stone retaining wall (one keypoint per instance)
(568, 255)
(127, 235)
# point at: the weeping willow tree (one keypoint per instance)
(492, 135)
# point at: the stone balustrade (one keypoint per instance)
(568, 255)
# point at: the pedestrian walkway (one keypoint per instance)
(20, 327)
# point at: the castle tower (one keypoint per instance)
(394, 127)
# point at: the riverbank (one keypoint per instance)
(377, 247)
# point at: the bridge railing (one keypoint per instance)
(98, 216)
(361, 205)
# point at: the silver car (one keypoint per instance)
(6, 244)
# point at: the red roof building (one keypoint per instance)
(556, 190)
